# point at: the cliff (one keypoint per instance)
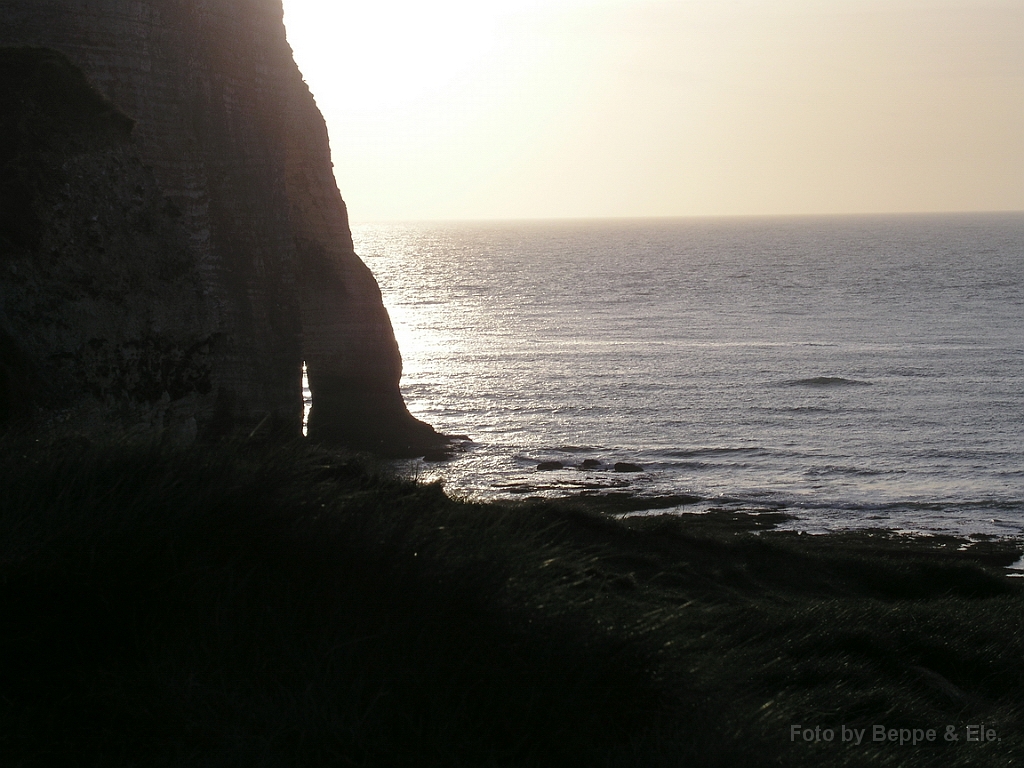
(173, 244)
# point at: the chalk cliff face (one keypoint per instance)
(176, 247)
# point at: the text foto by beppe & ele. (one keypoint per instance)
(880, 733)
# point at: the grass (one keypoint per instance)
(245, 606)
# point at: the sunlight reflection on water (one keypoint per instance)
(671, 343)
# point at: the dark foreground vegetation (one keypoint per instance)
(248, 607)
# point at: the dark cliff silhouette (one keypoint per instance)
(173, 244)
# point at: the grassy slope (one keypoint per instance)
(237, 606)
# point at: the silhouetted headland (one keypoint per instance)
(174, 244)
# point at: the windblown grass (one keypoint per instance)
(242, 606)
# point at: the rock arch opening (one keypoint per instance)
(307, 400)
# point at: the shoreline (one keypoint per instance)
(614, 494)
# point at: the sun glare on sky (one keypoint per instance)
(459, 109)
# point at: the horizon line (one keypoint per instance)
(678, 217)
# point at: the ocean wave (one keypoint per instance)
(914, 373)
(693, 465)
(901, 507)
(685, 453)
(559, 489)
(836, 469)
(825, 381)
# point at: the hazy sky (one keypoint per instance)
(455, 109)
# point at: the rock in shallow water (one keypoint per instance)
(625, 466)
(548, 466)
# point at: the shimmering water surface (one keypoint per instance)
(857, 371)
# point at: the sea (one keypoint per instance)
(854, 372)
